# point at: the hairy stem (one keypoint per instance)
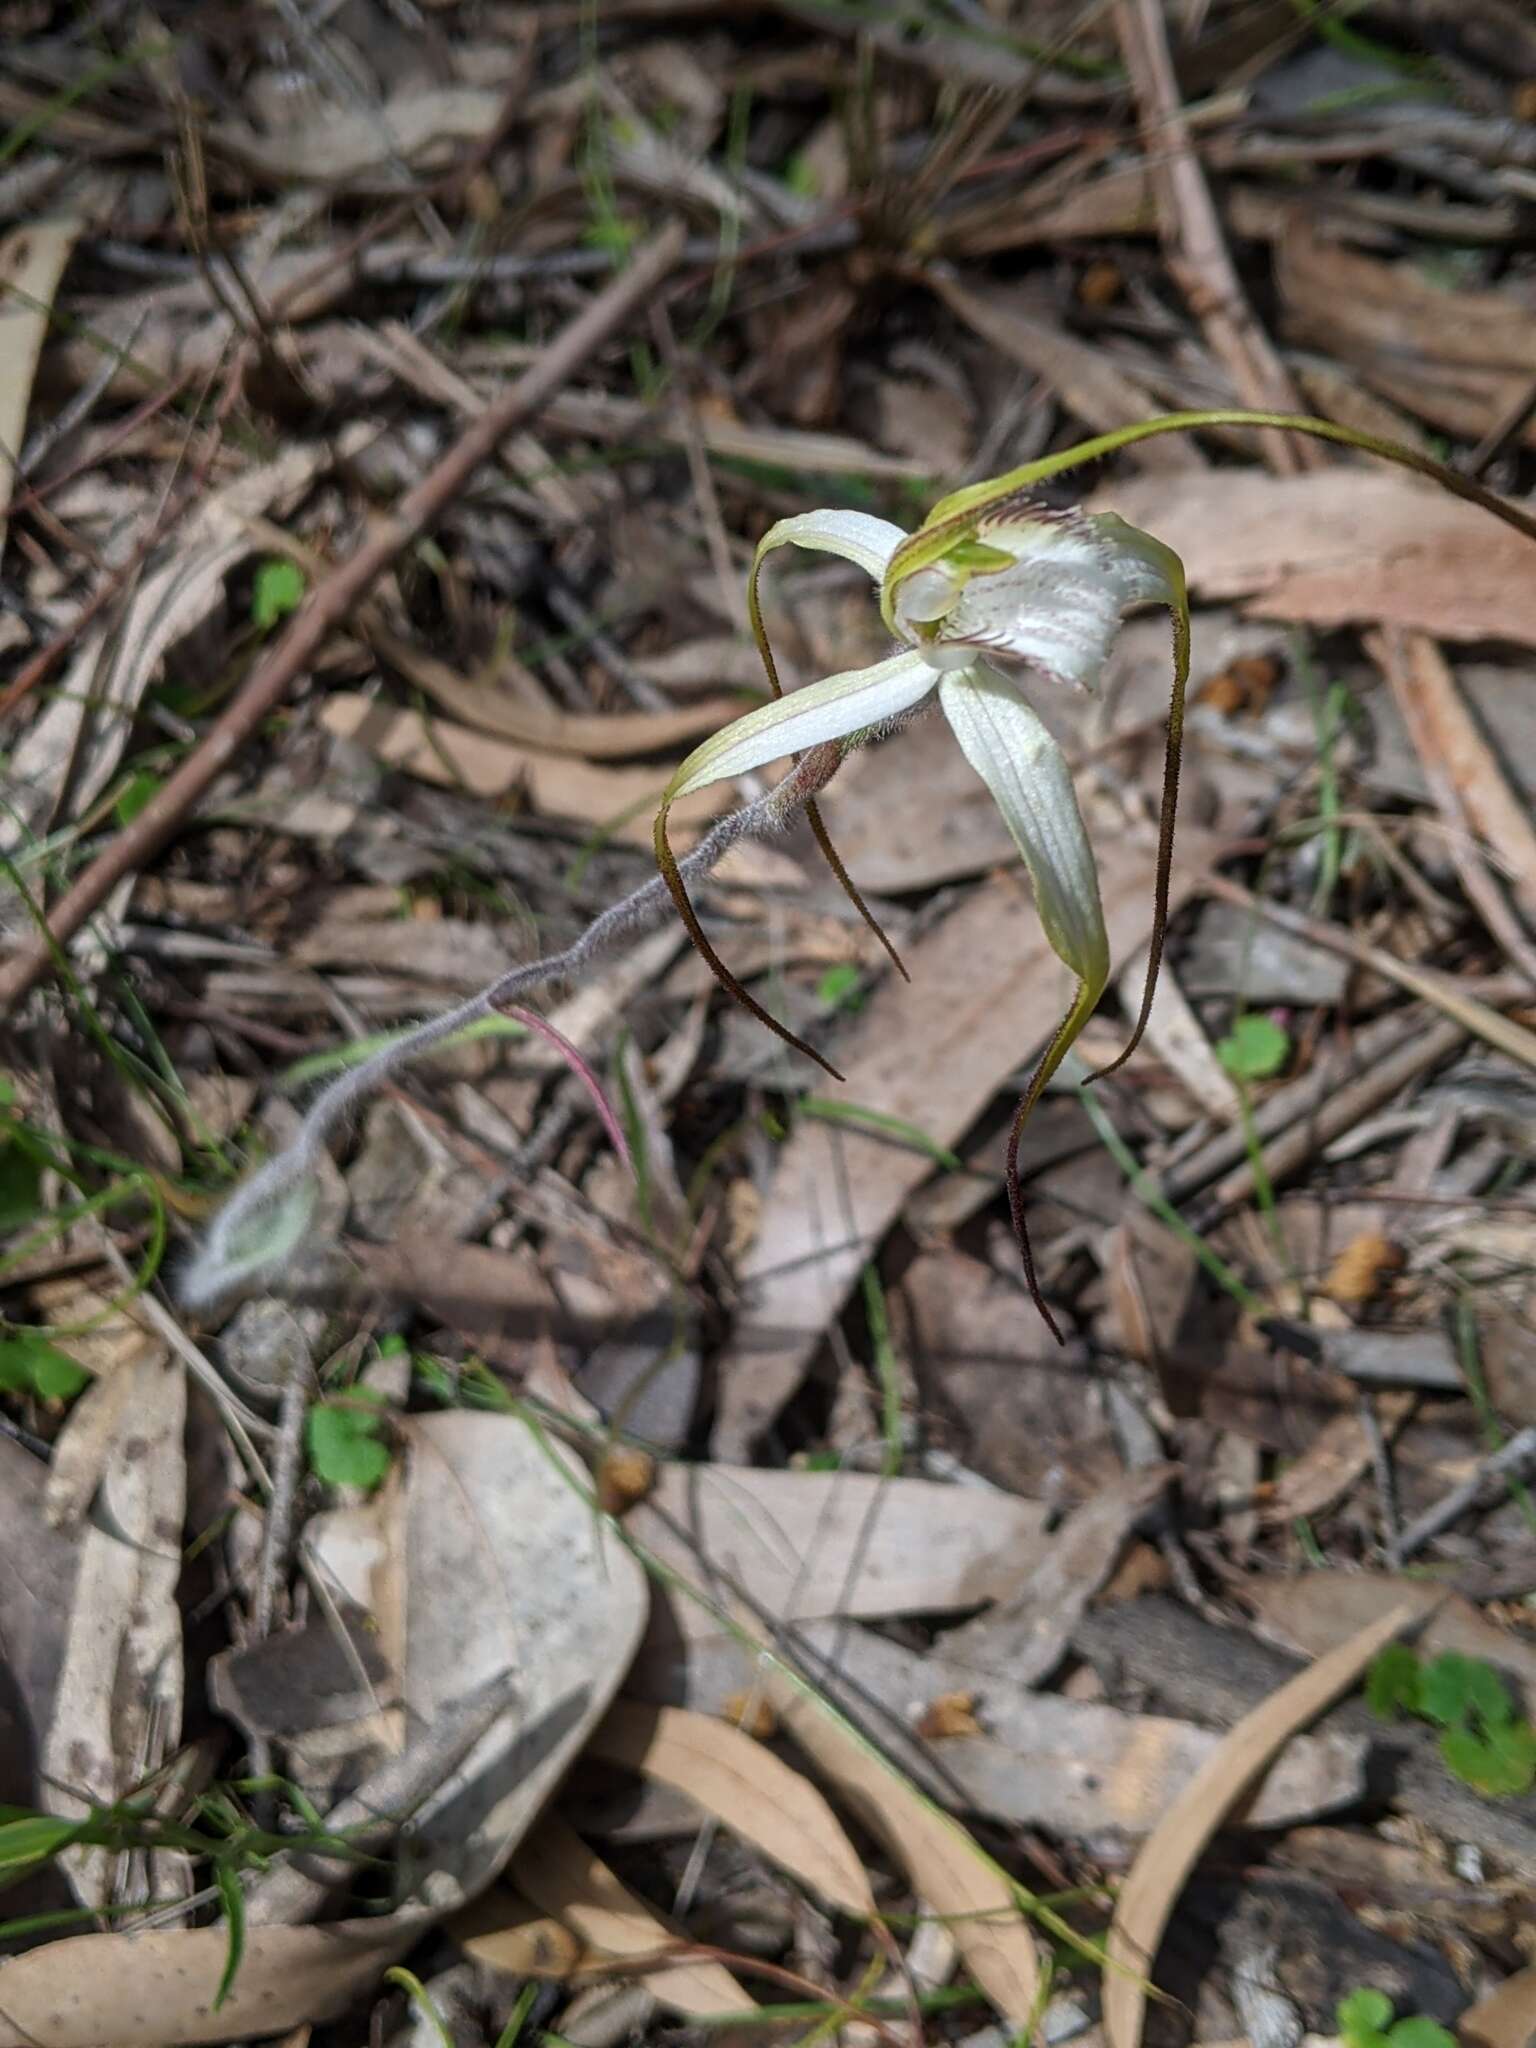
(250, 1233)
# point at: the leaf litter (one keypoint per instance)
(688, 1563)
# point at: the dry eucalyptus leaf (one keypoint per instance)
(157, 1990)
(1318, 1610)
(559, 786)
(745, 1786)
(1150, 1893)
(1341, 545)
(32, 261)
(805, 1544)
(497, 1561)
(571, 1883)
(950, 1873)
(1072, 1766)
(117, 1714)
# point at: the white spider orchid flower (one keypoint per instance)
(992, 595)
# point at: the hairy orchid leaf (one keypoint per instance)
(869, 543)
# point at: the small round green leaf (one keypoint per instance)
(343, 1440)
(1364, 2013)
(1255, 1048)
(278, 589)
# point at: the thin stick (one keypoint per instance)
(1191, 231)
(332, 600)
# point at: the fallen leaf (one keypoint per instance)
(1088, 384)
(1453, 749)
(1075, 1767)
(496, 1560)
(804, 1544)
(746, 1787)
(572, 1884)
(457, 757)
(505, 1933)
(117, 1714)
(614, 735)
(157, 1990)
(341, 144)
(949, 1871)
(1319, 1610)
(1158, 1876)
(1026, 1636)
(1506, 2018)
(1461, 359)
(1340, 546)
(32, 261)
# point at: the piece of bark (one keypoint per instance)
(1026, 1637)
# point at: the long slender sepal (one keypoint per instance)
(837, 533)
(666, 861)
(1083, 1005)
(1172, 570)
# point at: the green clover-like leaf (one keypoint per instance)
(343, 1439)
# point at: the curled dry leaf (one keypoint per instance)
(601, 736)
(744, 1785)
(1171, 1851)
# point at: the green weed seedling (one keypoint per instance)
(278, 590)
(1484, 1740)
(1255, 1049)
(1365, 2021)
(29, 1364)
(344, 1439)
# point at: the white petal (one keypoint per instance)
(1031, 784)
(830, 710)
(856, 536)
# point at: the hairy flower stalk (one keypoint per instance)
(266, 1216)
(996, 594)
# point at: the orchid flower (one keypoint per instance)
(995, 597)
